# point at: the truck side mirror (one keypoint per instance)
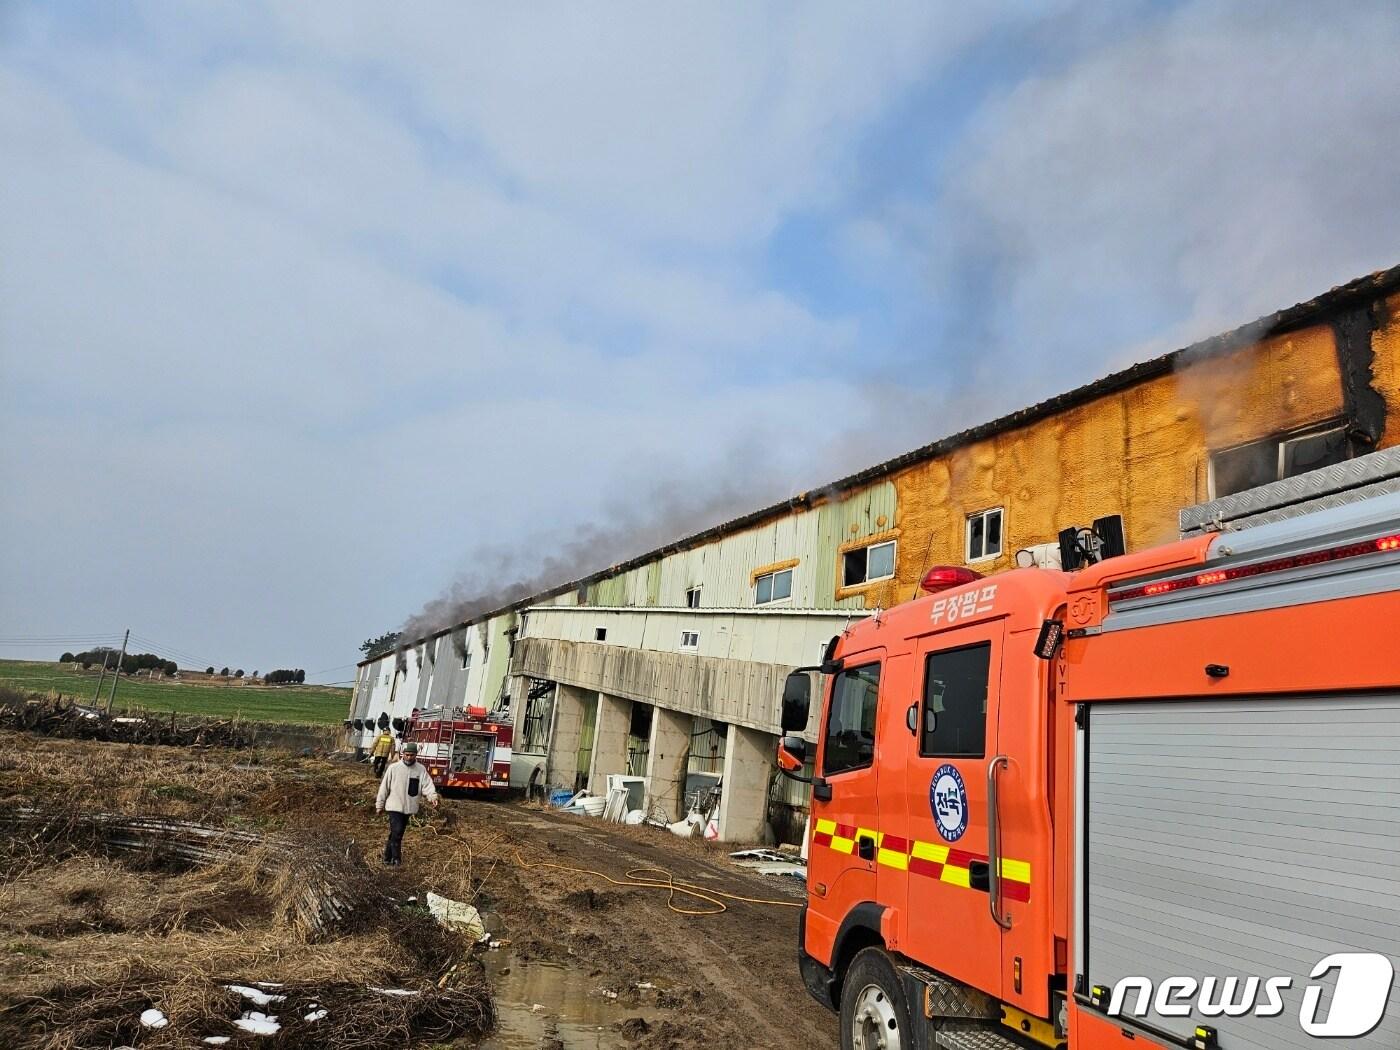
(792, 756)
(797, 699)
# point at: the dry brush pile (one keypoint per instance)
(136, 879)
(58, 717)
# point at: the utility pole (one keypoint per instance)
(118, 672)
(101, 677)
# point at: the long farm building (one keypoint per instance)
(670, 666)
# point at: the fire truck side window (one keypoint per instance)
(955, 702)
(850, 725)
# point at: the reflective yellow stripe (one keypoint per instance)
(1016, 870)
(930, 851)
(826, 827)
(841, 845)
(956, 876)
(894, 859)
(870, 833)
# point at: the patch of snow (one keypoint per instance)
(268, 984)
(316, 1015)
(392, 991)
(258, 998)
(153, 1018)
(258, 1023)
(216, 1040)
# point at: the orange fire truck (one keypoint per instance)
(464, 747)
(1154, 802)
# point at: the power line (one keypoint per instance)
(55, 640)
(327, 670)
(179, 655)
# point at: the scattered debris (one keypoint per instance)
(770, 862)
(456, 916)
(153, 1018)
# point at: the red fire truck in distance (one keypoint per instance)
(1151, 803)
(462, 747)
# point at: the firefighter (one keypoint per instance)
(404, 784)
(383, 748)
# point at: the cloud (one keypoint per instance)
(306, 309)
(1213, 166)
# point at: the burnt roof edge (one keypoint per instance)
(1280, 322)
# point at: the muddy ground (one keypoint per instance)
(578, 961)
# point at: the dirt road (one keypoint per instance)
(726, 980)
(578, 963)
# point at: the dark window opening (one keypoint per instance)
(1303, 454)
(955, 702)
(850, 724)
(1245, 467)
(600, 634)
(984, 534)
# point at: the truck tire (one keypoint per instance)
(874, 1013)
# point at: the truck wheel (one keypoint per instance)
(874, 1015)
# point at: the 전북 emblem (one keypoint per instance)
(947, 798)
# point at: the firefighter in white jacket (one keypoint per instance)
(405, 783)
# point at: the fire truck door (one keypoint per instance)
(952, 744)
(845, 813)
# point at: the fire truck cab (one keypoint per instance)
(1170, 770)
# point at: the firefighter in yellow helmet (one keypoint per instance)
(383, 748)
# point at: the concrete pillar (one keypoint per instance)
(570, 709)
(748, 765)
(609, 741)
(667, 749)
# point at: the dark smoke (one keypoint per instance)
(500, 574)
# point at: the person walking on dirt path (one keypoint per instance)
(383, 748)
(405, 783)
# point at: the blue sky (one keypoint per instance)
(311, 312)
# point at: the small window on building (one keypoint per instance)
(600, 634)
(955, 702)
(1246, 467)
(866, 564)
(984, 534)
(850, 722)
(690, 639)
(773, 587)
(692, 598)
(466, 659)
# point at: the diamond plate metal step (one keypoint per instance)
(1356, 479)
(973, 1037)
(944, 998)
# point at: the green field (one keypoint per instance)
(319, 704)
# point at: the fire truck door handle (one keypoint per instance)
(866, 845)
(994, 844)
(821, 790)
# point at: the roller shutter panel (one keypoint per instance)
(1244, 838)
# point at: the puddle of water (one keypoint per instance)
(575, 1011)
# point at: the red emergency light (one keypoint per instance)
(1241, 572)
(941, 577)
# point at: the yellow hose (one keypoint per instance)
(647, 878)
